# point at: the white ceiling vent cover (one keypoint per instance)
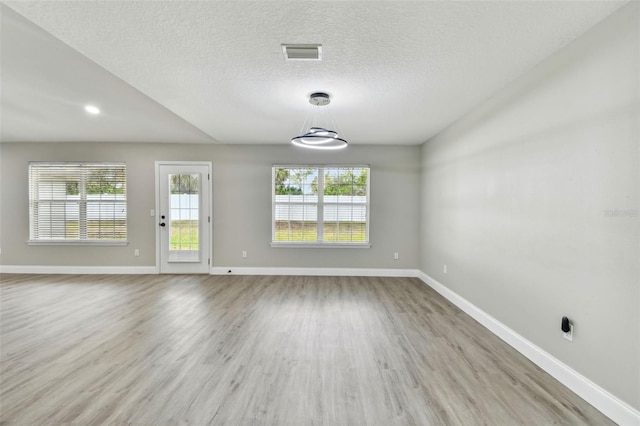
(302, 52)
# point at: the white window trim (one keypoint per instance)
(78, 242)
(323, 245)
(320, 211)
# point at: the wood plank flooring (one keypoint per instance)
(259, 350)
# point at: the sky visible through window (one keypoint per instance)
(304, 181)
(322, 204)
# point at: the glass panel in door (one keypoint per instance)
(184, 217)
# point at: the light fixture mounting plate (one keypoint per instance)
(319, 99)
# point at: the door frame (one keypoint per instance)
(156, 212)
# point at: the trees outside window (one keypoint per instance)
(77, 202)
(320, 205)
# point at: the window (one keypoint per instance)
(77, 203)
(320, 205)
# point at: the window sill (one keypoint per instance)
(78, 242)
(290, 244)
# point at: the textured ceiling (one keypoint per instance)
(197, 71)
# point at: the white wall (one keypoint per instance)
(241, 199)
(531, 201)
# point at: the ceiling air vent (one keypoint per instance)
(302, 52)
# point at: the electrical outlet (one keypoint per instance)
(244, 254)
(444, 269)
(569, 335)
(396, 256)
(136, 252)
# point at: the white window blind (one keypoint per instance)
(77, 202)
(326, 205)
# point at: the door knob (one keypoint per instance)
(163, 224)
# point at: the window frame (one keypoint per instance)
(319, 243)
(82, 203)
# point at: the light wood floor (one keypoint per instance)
(260, 350)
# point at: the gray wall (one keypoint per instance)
(532, 203)
(241, 198)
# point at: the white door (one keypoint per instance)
(183, 217)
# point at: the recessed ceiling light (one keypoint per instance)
(92, 109)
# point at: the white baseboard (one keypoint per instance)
(126, 270)
(51, 269)
(350, 272)
(611, 406)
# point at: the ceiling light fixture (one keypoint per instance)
(92, 109)
(319, 137)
